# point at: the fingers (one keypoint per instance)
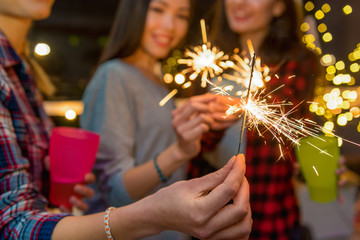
(342, 160)
(219, 109)
(221, 123)
(75, 201)
(222, 104)
(89, 178)
(226, 100)
(341, 170)
(342, 167)
(233, 213)
(193, 128)
(240, 230)
(226, 191)
(83, 191)
(215, 106)
(212, 180)
(64, 209)
(193, 105)
(222, 117)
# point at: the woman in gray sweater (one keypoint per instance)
(143, 147)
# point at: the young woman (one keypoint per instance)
(24, 128)
(273, 28)
(143, 146)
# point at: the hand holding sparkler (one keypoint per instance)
(218, 220)
(190, 121)
(219, 108)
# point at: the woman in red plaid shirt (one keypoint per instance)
(273, 28)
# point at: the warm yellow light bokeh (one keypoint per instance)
(179, 78)
(168, 78)
(322, 28)
(347, 9)
(70, 114)
(327, 37)
(319, 15)
(326, 8)
(42, 49)
(309, 6)
(305, 27)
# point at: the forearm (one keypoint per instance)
(129, 222)
(141, 180)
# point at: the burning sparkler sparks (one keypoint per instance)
(242, 67)
(204, 60)
(265, 116)
(259, 113)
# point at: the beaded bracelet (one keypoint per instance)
(162, 178)
(106, 223)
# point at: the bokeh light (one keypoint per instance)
(42, 49)
(70, 114)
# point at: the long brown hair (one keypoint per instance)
(128, 27)
(283, 35)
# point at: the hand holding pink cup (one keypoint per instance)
(72, 155)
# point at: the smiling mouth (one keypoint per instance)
(240, 15)
(163, 41)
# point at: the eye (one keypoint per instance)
(184, 16)
(156, 9)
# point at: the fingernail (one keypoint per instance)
(72, 200)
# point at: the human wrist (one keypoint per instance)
(179, 154)
(158, 169)
(130, 222)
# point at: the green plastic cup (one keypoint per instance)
(318, 158)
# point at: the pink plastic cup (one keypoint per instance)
(72, 155)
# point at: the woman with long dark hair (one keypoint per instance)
(273, 28)
(143, 147)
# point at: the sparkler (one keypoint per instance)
(209, 62)
(204, 60)
(247, 101)
(242, 72)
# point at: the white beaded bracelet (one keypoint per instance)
(106, 223)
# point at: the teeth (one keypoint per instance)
(164, 40)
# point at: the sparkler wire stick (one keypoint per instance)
(247, 100)
(203, 31)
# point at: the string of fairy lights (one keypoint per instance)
(338, 103)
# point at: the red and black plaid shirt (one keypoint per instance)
(273, 203)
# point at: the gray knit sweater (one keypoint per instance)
(122, 105)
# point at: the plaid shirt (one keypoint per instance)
(273, 203)
(24, 129)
